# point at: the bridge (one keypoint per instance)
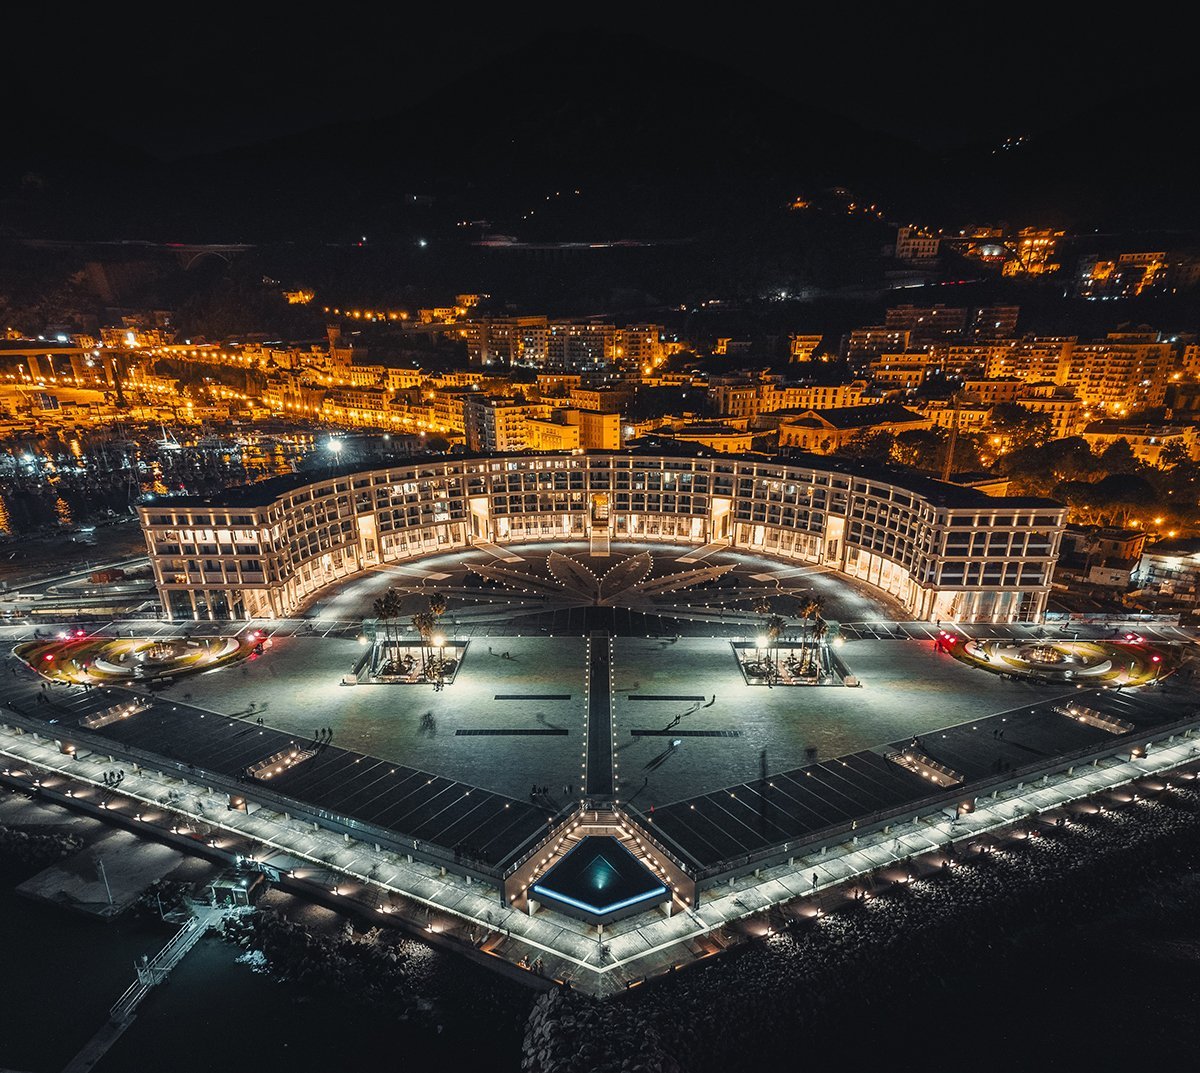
(187, 253)
(151, 972)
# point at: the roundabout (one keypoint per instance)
(1080, 663)
(94, 660)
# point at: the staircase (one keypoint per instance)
(605, 823)
(600, 542)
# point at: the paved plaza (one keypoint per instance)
(685, 720)
(683, 587)
(907, 688)
(605, 678)
(462, 732)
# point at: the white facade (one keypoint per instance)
(944, 552)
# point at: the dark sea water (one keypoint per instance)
(1114, 994)
(231, 1017)
(60, 972)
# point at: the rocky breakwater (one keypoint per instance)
(569, 1033)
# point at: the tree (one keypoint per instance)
(1109, 501)
(1037, 470)
(1118, 457)
(424, 623)
(874, 445)
(387, 610)
(773, 627)
(1177, 479)
(437, 605)
(810, 612)
(820, 628)
(1122, 494)
(923, 448)
(1174, 455)
(1019, 427)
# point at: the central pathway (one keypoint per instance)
(599, 780)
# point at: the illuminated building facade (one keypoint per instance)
(941, 551)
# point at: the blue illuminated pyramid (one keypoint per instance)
(600, 881)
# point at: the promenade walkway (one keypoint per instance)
(633, 949)
(600, 783)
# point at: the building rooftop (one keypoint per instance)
(939, 493)
(862, 416)
(1180, 546)
(805, 803)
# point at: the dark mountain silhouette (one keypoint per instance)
(659, 144)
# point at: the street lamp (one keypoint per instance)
(439, 641)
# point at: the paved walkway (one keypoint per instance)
(599, 784)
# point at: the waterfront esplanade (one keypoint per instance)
(942, 551)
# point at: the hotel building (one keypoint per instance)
(940, 550)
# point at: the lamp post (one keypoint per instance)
(439, 639)
(104, 876)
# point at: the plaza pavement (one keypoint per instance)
(295, 686)
(908, 688)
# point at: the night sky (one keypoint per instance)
(943, 76)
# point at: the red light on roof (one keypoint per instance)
(1155, 659)
(49, 656)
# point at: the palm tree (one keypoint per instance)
(424, 623)
(437, 608)
(820, 628)
(809, 611)
(773, 627)
(387, 610)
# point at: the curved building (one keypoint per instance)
(945, 552)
